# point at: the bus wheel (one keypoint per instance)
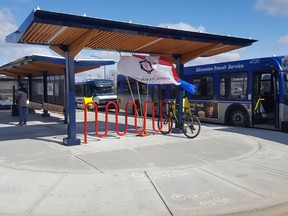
(239, 118)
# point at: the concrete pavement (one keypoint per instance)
(224, 171)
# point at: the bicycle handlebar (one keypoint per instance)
(172, 103)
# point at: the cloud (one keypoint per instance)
(283, 40)
(6, 23)
(273, 7)
(182, 26)
(10, 51)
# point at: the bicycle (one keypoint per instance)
(191, 125)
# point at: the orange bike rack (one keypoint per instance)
(116, 118)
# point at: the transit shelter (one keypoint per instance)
(44, 78)
(68, 34)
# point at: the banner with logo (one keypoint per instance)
(147, 69)
(152, 70)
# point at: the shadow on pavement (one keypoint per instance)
(271, 135)
(39, 127)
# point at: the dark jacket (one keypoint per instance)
(21, 98)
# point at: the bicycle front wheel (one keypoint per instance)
(191, 126)
(165, 124)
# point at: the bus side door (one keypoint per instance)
(265, 99)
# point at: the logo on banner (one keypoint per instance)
(146, 66)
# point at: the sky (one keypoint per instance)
(262, 20)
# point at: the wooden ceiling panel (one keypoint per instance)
(9, 74)
(118, 41)
(41, 33)
(20, 71)
(68, 36)
(51, 68)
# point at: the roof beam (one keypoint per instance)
(79, 43)
(146, 45)
(58, 50)
(199, 52)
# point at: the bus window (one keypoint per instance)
(142, 88)
(163, 93)
(265, 84)
(155, 95)
(196, 82)
(204, 86)
(233, 86)
(89, 91)
(127, 88)
(77, 90)
(173, 92)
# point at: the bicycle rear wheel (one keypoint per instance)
(191, 126)
(165, 124)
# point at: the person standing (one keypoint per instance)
(21, 100)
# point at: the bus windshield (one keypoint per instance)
(98, 91)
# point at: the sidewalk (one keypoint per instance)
(224, 171)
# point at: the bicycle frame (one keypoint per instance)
(173, 111)
(190, 125)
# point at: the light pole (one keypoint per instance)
(114, 75)
(93, 56)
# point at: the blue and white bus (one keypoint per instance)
(249, 93)
(101, 91)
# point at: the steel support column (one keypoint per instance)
(45, 93)
(65, 100)
(70, 101)
(179, 91)
(30, 87)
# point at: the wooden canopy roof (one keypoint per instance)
(80, 32)
(35, 65)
